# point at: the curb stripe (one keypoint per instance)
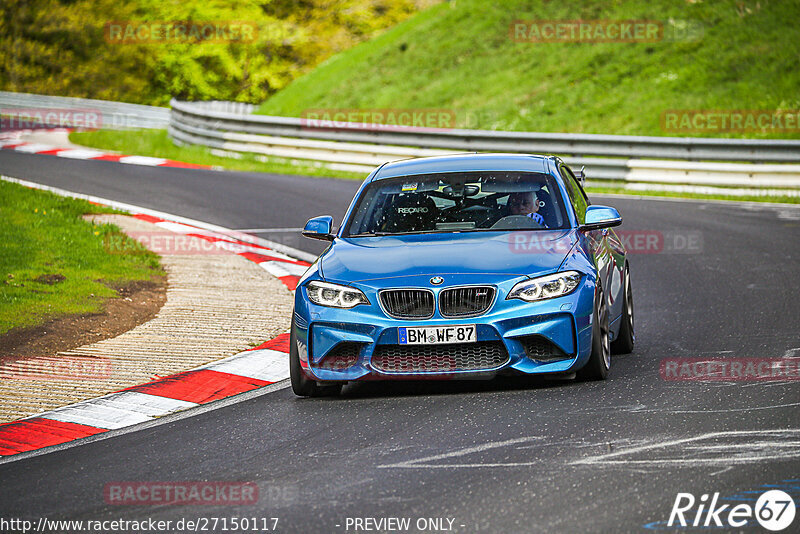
(108, 157)
(290, 281)
(97, 415)
(230, 244)
(251, 369)
(82, 153)
(183, 165)
(146, 218)
(142, 160)
(118, 410)
(53, 152)
(150, 405)
(34, 148)
(283, 269)
(260, 258)
(276, 248)
(96, 155)
(35, 433)
(265, 364)
(201, 386)
(280, 343)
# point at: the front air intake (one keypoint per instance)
(483, 355)
(541, 349)
(342, 356)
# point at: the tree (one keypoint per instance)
(65, 47)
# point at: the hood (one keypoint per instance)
(501, 253)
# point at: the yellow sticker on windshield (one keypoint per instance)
(409, 187)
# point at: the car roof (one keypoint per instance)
(464, 163)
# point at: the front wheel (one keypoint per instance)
(301, 384)
(600, 359)
(624, 342)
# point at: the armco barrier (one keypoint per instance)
(224, 126)
(713, 173)
(115, 115)
(230, 127)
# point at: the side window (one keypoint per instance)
(576, 195)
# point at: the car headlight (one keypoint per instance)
(546, 287)
(335, 295)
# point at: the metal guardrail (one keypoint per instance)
(686, 148)
(230, 128)
(115, 115)
(354, 146)
(714, 174)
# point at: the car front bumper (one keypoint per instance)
(565, 322)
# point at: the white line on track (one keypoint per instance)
(422, 462)
(755, 446)
(725, 410)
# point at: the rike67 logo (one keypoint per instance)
(774, 510)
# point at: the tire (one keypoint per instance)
(302, 386)
(624, 342)
(600, 360)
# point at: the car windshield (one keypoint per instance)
(458, 202)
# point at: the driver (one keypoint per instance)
(525, 203)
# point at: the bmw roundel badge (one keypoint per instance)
(436, 280)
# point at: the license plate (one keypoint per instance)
(434, 335)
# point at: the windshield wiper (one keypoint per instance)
(371, 234)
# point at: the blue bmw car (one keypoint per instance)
(463, 266)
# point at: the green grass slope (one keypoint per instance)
(459, 56)
(53, 263)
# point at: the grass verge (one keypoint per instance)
(460, 56)
(54, 263)
(672, 194)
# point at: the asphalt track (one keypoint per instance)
(501, 456)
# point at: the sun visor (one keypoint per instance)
(526, 182)
(412, 184)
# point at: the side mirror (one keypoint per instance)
(598, 217)
(581, 176)
(319, 228)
